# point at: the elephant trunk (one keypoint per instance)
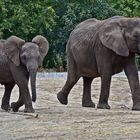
(33, 84)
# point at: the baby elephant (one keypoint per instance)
(20, 60)
(103, 48)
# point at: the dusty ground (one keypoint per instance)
(73, 122)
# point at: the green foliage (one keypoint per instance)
(128, 7)
(25, 18)
(55, 19)
(70, 13)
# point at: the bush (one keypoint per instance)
(55, 19)
(69, 14)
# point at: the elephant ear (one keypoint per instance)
(111, 37)
(12, 49)
(43, 45)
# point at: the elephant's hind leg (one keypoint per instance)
(72, 79)
(86, 100)
(6, 97)
(62, 96)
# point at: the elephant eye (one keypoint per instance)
(23, 57)
(135, 35)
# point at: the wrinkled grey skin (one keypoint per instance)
(18, 62)
(103, 48)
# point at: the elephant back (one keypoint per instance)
(87, 23)
(84, 34)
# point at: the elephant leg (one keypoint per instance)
(62, 96)
(86, 100)
(21, 78)
(24, 98)
(16, 105)
(72, 79)
(132, 75)
(6, 97)
(105, 88)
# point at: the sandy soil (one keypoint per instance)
(53, 121)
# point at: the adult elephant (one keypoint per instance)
(20, 60)
(103, 48)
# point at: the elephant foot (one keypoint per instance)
(29, 110)
(5, 107)
(14, 106)
(103, 106)
(63, 99)
(88, 104)
(136, 107)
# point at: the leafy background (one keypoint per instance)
(55, 19)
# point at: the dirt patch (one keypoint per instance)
(53, 121)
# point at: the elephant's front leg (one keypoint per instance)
(104, 62)
(132, 75)
(6, 97)
(16, 105)
(105, 89)
(24, 98)
(21, 78)
(25, 95)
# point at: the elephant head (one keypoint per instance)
(30, 55)
(121, 35)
